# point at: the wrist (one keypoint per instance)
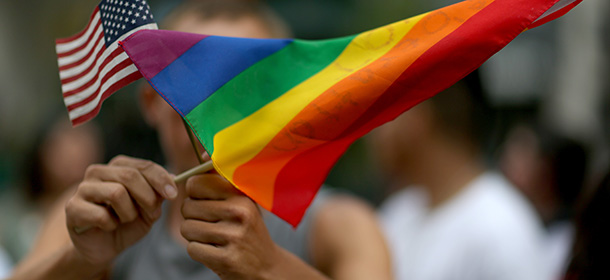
(82, 267)
(285, 265)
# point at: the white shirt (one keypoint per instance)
(5, 267)
(487, 232)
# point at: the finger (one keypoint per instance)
(205, 156)
(114, 195)
(156, 175)
(83, 214)
(209, 255)
(239, 209)
(132, 179)
(203, 232)
(210, 186)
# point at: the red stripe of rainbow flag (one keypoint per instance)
(275, 115)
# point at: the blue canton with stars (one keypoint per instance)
(121, 16)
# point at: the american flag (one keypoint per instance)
(92, 65)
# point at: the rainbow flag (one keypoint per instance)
(276, 114)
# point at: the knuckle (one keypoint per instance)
(116, 193)
(241, 213)
(127, 175)
(119, 159)
(92, 170)
(146, 164)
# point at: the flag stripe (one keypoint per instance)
(81, 116)
(91, 89)
(70, 73)
(120, 66)
(313, 57)
(70, 43)
(87, 78)
(295, 134)
(105, 90)
(81, 55)
(71, 52)
(225, 55)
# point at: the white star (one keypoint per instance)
(123, 11)
(147, 12)
(141, 8)
(121, 3)
(133, 6)
(137, 14)
(133, 21)
(123, 27)
(129, 12)
(126, 19)
(144, 17)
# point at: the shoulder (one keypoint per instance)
(346, 238)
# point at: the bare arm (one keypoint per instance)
(52, 255)
(347, 242)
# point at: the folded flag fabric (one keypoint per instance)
(92, 66)
(276, 114)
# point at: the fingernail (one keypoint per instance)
(171, 192)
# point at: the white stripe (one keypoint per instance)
(81, 68)
(71, 72)
(85, 109)
(78, 69)
(72, 99)
(68, 46)
(82, 53)
(558, 6)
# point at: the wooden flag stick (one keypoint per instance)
(193, 141)
(199, 169)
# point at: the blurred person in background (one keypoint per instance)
(454, 218)
(592, 243)
(550, 171)
(5, 264)
(56, 162)
(209, 230)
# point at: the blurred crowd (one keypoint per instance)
(505, 174)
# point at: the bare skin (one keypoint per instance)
(220, 227)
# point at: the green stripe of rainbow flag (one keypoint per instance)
(275, 115)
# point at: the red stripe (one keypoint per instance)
(78, 35)
(555, 15)
(106, 61)
(116, 86)
(124, 64)
(71, 52)
(84, 59)
(442, 65)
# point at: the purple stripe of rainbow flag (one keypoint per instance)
(275, 115)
